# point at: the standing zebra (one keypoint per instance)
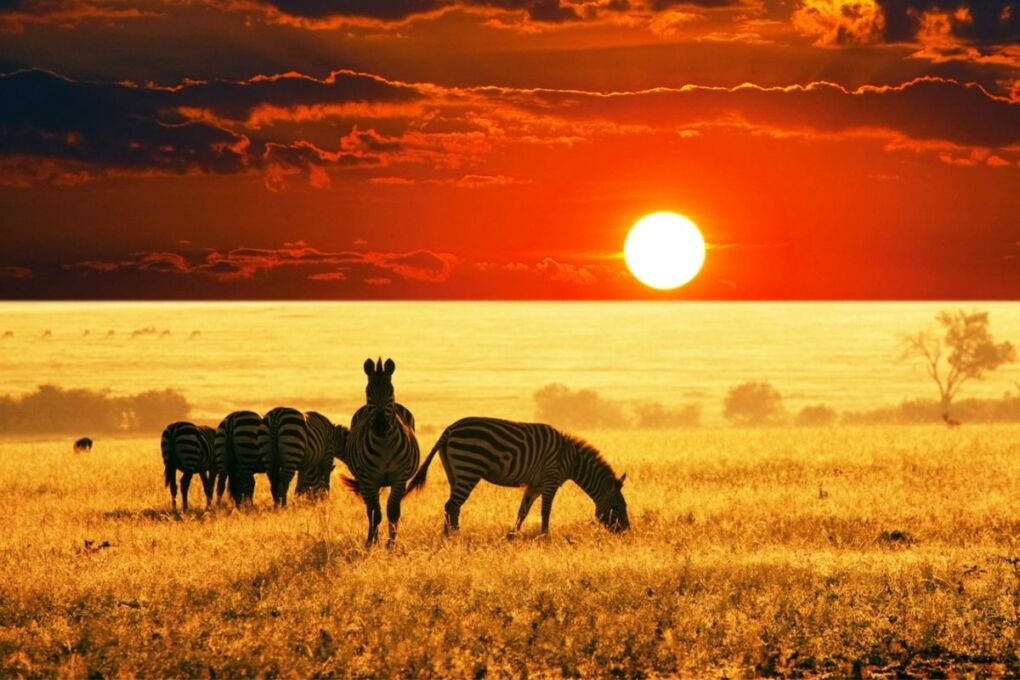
(538, 457)
(382, 449)
(237, 446)
(326, 441)
(282, 441)
(190, 449)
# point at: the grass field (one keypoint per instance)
(792, 552)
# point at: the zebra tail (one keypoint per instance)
(168, 452)
(351, 484)
(418, 481)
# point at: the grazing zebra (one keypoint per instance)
(381, 450)
(326, 441)
(237, 446)
(538, 457)
(190, 449)
(282, 441)
(83, 445)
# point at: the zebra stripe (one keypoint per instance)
(326, 441)
(382, 449)
(237, 446)
(533, 455)
(190, 449)
(282, 441)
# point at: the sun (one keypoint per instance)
(664, 250)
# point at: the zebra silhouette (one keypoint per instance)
(382, 449)
(533, 455)
(190, 449)
(326, 441)
(237, 445)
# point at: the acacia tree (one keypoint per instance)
(753, 403)
(961, 349)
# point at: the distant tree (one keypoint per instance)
(753, 403)
(961, 349)
(558, 404)
(151, 411)
(656, 416)
(818, 414)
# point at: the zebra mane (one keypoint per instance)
(583, 447)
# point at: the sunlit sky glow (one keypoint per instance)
(501, 149)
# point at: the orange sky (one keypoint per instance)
(500, 149)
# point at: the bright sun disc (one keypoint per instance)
(664, 250)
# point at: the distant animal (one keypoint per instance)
(8, 334)
(191, 449)
(47, 333)
(194, 334)
(282, 441)
(326, 442)
(86, 333)
(165, 333)
(83, 445)
(533, 455)
(952, 423)
(382, 449)
(238, 447)
(110, 333)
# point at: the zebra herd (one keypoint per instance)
(380, 449)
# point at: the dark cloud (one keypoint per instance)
(979, 21)
(247, 263)
(196, 127)
(15, 14)
(545, 11)
(42, 114)
(925, 109)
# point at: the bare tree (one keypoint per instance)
(961, 349)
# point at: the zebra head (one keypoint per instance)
(379, 393)
(611, 510)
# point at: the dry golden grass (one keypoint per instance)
(758, 552)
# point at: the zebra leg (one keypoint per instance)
(459, 493)
(393, 510)
(221, 485)
(207, 486)
(185, 485)
(527, 501)
(171, 476)
(549, 490)
(374, 515)
(283, 486)
(274, 487)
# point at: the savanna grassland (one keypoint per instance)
(795, 552)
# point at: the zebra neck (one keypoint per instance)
(591, 473)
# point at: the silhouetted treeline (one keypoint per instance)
(559, 405)
(1003, 410)
(55, 410)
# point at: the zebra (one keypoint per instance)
(382, 449)
(282, 441)
(533, 455)
(191, 449)
(237, 446)
(326, 441)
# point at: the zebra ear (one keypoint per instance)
(390, 367)
(369, 367)
(621, 480)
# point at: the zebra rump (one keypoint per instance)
(237, 449)
(325, 441)
(282, 441)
